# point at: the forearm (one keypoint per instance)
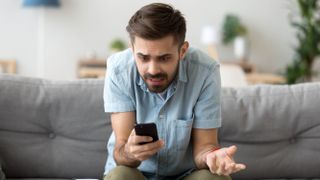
(122, 157)
(200, 155)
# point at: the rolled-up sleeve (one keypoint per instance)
(116, 99)
(207, 111)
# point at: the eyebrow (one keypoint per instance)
(146, 55)
(143, 55)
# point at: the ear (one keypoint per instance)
(183, 49)
(131, 46)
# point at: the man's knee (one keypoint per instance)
(205, 174)
(124, 173)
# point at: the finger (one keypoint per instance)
(233, 167)
(220, 169)
(239, 167)
(133, 132)
(211, 163)
(230, 151)
(142, 139)
(161, 143)
(144, 154)
(155, 146)
(224, 169)
(230, 168)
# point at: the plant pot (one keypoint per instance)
(240, 48)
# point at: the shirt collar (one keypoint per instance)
(182, 76)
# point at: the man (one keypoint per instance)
(161, 80)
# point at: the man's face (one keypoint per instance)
(158, 61)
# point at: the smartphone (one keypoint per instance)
(147, 129)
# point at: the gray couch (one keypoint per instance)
(58, 129)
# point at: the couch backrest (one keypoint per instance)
(58, 129)
(276, 128)
(52, 129)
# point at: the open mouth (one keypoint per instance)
(156, 81)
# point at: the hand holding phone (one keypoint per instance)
(134, 149)
(147, 129)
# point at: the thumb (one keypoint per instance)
(231, 150)
(133, 132)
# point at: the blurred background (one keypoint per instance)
(255, 41)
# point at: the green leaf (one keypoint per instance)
(308, 36)
(232, 28)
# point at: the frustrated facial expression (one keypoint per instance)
(158, 61)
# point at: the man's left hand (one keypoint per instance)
(221, 161)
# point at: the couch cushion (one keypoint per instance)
(52, 129)
(2, 175)
(277, 130)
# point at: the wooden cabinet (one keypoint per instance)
(265, 78)
(254, 77)
(91, 68)
(8, 66)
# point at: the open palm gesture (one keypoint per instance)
(221, 161)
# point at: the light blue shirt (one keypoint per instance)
(192, 101)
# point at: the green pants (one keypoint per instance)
(125, 173)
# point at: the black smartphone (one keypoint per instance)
(147, 129)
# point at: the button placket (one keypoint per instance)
(161, 116)
(163, 128)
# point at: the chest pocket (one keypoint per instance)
(182, 133)
(178, 146)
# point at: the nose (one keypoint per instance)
(153, 68)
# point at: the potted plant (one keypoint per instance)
(117, 45)
(308, 36)
(234, 31)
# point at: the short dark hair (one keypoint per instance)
(156, 21)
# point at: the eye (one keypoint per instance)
(164, 58)
(143, 58)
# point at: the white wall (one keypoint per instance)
(80, 26)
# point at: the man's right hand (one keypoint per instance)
(135, 151)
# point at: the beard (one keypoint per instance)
(156, 89)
